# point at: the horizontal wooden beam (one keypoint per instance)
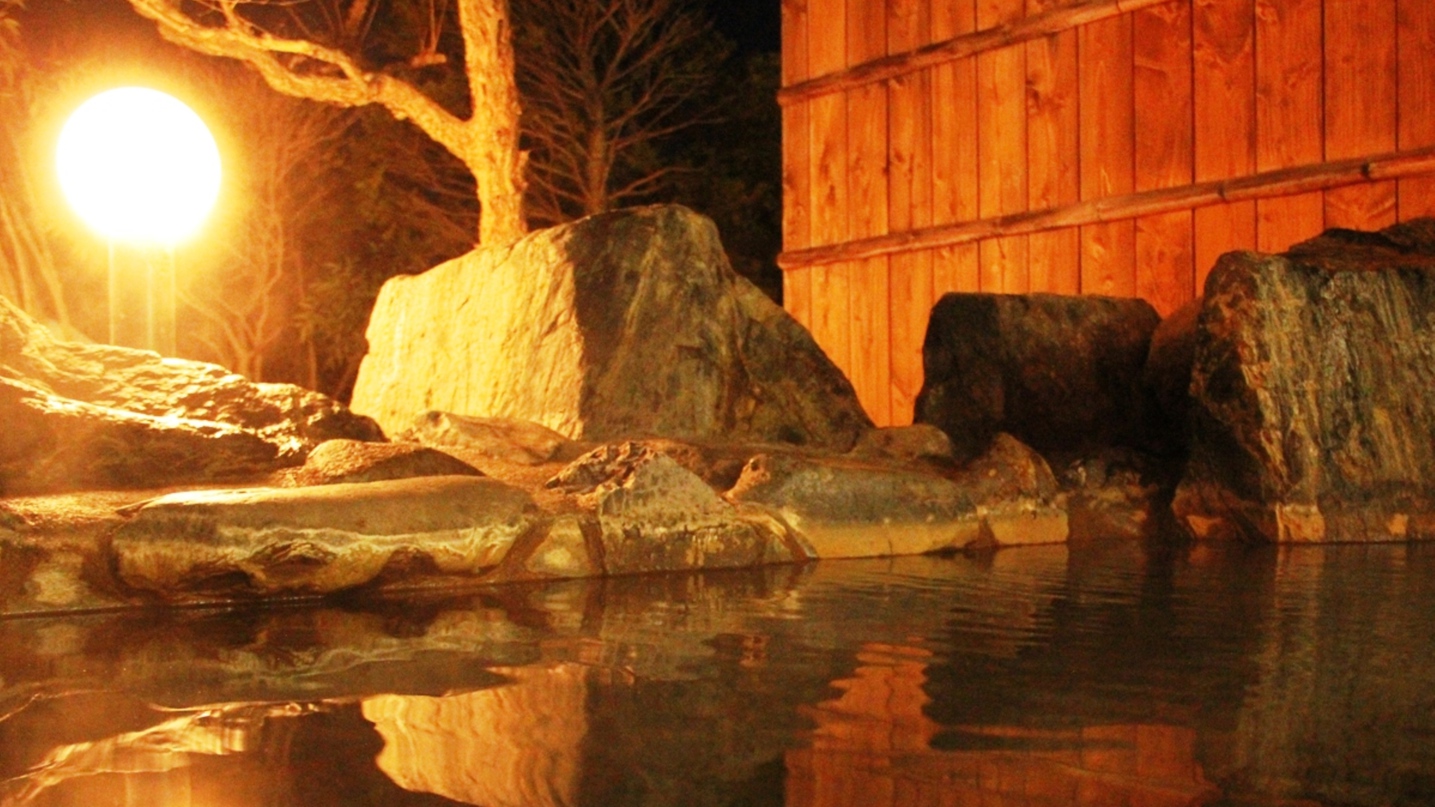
(1027, 28)
(1282, 182)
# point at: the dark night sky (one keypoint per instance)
(756, 25)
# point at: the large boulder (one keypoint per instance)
(620, 325)
(1060, 373)
(79, 415)
(1312, 414)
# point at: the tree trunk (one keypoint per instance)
(492, 152)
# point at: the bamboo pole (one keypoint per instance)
(1017, 31)
(1265, 185)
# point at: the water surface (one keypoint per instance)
(1039, 677)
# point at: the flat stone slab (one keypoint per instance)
(320, 539)
(848, 508)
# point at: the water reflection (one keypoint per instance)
(509, 746)
(873, 747)
(1036, 677)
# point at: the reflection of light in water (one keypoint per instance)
(172, 746)
(510, 746)
(872, 747)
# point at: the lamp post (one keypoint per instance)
(140, 168)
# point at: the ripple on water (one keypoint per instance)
(1039, 677)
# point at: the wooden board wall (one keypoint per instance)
(918, 135)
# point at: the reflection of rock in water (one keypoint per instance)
(511, 746)
(1343, 708)
(156, 765)
(873, 747)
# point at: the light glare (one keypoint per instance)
(138, 166)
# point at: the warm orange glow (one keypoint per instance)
(139, 166)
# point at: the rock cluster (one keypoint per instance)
(620, 325)
(1290, 403)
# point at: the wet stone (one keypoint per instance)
(655, 515)
(339, 461)
(317, 540)
(843, 507)
(521, 442)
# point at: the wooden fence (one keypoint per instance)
(1096, 147)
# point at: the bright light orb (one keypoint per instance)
(138, 166)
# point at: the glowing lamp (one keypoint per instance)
(138, 166)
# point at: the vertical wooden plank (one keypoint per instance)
(1165, 136)
(1165, 260)
(954, 153)
(827, 145)
(827, 117)
(909, 122)
(909, 205)
(1053, 154)
(797, 294)
(794, 42)
(911, 303)
(955, 269)
(826, 36)
(1290, 111)
(1416, 26)
(1224, 37)
(796, 177)
(1001, 148)
(796, 212)
(954, 118)
(1108, 250)
(869, 292)
(1360, 99)
(831, 324)
(796, 163)
(1002, 175)
(871, 338)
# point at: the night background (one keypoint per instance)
(320, 205)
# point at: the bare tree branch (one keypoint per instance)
(601, 80)
(486, 142)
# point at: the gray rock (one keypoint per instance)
(521, 442)
(920, 441)
(1118, 494)
(621, 325)
(53, 443)
(1062, 374)
(655, 515)
(1312, 414)
(224, 544)
(82, 415)
(1168, 371)
(338, 461)
(845, 507)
